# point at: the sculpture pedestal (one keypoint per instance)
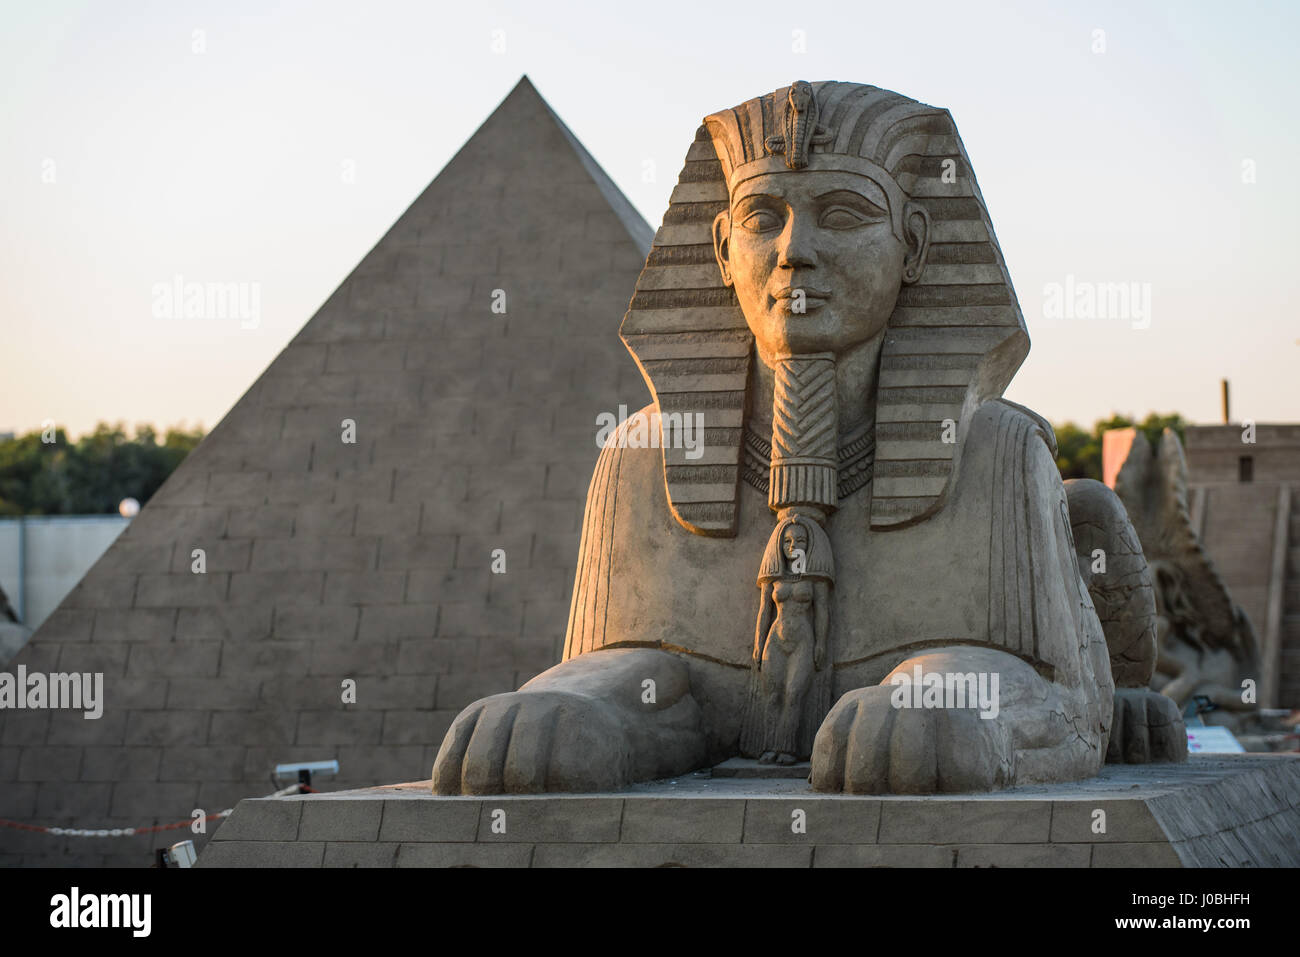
(1240, 810)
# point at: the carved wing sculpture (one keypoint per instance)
(1200, 619)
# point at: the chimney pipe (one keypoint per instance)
(1226, 419)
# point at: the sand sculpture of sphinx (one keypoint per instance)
(826, 289)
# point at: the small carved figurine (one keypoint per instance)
(790, 682)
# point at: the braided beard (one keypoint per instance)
(804, 435)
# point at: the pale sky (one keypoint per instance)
(136, 150)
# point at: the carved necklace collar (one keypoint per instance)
(854, 470)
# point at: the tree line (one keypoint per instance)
(92, 475)
(1078, 450)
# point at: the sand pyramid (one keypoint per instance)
(369, 560)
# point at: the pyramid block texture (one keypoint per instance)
(369, 561)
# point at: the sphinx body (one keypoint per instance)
(989, 584)
(837, 308)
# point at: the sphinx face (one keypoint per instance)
(813, 258)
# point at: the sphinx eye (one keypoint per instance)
(761, 220)
(842, 217)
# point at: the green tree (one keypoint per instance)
(89, 476)
(1078, 452)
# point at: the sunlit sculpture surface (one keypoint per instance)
(867, 511)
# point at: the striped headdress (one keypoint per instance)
(955, 338)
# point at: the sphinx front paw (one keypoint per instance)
(958, 718)
(869, 745)
(990, 722)
(1147, 729)
(527, 742)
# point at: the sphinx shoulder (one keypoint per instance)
(1002, 415)
(627, 471)
(1007, 471)
(1006, 438)
(628, 448)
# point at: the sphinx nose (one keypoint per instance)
(797, 250)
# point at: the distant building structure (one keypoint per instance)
(1223, 454)
(1244, 497)
(42, 557)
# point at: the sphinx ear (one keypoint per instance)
(916, 233)
(722, 243)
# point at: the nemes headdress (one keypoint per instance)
(955, 338)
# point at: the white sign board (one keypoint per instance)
(1212, 740)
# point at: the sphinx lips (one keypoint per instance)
(802, 298)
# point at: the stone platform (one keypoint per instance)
(1221, 811)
